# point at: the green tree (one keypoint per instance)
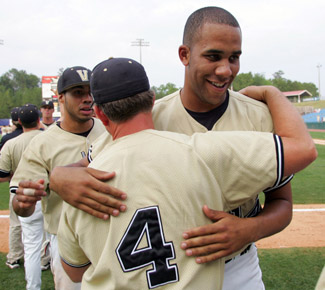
(164, 90)
(18, 88)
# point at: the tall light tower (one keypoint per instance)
(318, 67)
(140, 42)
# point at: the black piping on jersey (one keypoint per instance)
(283, 183)
(4, 173)
(255, 210)
(90, 150)
(75, 266)
(280, 159)
(13, 189)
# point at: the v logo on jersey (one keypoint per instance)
(83, 74)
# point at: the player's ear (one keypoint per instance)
(101, 116)
(60, 98)
(184, 54)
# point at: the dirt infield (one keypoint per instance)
(305, 230)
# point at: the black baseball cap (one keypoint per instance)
(28, 113)
(117, 78)
(47, 104)
(73, 77)
(14, 113)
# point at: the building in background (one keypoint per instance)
(49, 93)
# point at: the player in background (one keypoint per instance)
(210, 53)
(61, 144)
(16, 247)
(32, 227)
(47, 110)
(18, 129)
(140, 249)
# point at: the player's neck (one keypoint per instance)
(73, 126)
(193, 103)
(140, 122)
(47, 120)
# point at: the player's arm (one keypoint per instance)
(85, 188)
(229, 233)
(74, 273)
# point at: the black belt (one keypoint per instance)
(242, 253)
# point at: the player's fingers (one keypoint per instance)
(30, 191)
(211, 257)
(31, 184)
(217, 250)
(213, 215)
(95, 213)
(103, 187)
(204, 230)
(105, 204)
(101, 175)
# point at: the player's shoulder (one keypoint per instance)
(242, 100)
(167, 99)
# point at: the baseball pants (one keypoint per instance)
(32, 228)
(16, 248)
(243, 272)
(61, 280)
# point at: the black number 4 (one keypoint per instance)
(158, 252)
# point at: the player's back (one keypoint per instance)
(167, 185)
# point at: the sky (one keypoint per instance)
(41, 37)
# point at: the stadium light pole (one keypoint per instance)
(140, 42)
(318, 67)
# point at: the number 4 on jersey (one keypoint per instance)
(146, 223)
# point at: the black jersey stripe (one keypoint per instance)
(75, 266)
(13, 189)
(4, 173)
(283, 182)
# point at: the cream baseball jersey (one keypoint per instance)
(12, 150)
(54, 147)
(168, 178)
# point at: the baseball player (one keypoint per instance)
(47, 109)
(168, 176)
(32, 227)
(16, 132)
(16, 247)
(210, 53)
(60, 144)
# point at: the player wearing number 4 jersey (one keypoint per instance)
(168, 177)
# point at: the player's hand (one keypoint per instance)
(225, 236)
(27, 194)
(85, 189)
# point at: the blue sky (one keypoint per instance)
(41, 37)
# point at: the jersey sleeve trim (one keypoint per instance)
(76, 266)
(4, 173)
(13, 189)
(280, 160)
(283, 182)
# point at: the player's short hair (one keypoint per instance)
(198, 18)
(124, 109)
(30, 125)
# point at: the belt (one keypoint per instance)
(242, 253)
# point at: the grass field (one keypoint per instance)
(283, 269)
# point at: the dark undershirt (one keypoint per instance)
(208, 119)
(83, 134)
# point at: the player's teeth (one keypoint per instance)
(217, 85)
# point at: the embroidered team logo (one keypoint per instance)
(83, 75)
